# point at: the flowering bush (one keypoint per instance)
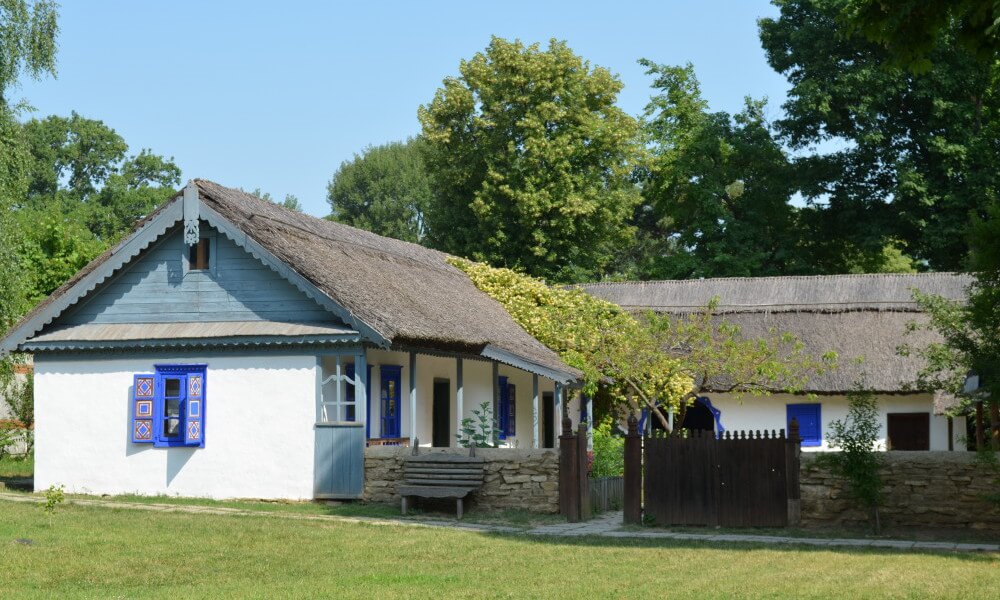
(607, 344)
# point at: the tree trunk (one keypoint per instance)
(995, 423)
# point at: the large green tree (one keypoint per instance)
(28, 33)
(889, 158)
(84, 192)
(531, 162)
(716, 198)
(385, 189)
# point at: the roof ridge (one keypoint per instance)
(777, 277)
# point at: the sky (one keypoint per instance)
(276, 95)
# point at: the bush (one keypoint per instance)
(609, 451)
(859, 459)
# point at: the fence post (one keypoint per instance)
(569, 473)
(632, 494)
(793, 451)
(583, 464)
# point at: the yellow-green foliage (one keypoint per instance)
(609, 345)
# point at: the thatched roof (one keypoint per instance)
(857, 316)
(407, 294)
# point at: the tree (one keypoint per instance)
(385, 189)
(859, 459)
(27, 47)
(716, 196)
(910, 29)
(531, 162)
(290, 202)
(653, 362)
(913, 155)
(28, 31)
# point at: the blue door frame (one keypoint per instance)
(390, 395)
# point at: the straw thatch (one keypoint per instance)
(856, 316)
(408, 294)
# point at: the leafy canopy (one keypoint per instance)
(531, 162)
(907, 157)
(385, 189)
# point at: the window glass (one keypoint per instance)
(172, 387)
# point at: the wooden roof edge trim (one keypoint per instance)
(509, 358)
(121, 255)
(244, 240)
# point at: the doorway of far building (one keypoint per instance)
(697, 417)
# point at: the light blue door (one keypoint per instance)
(340, 460)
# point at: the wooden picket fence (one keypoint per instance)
(739, 479)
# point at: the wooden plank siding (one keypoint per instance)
(156, 289)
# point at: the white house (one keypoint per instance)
(230, 347)
(858, 316)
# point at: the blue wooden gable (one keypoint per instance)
(159, 287)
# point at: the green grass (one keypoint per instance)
(88, 552)
(17, 466)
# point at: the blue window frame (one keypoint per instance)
(810, 423)
(507, 409)
(168, 406)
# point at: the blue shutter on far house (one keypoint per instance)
(810, 424)
(504, 407)
(194, 425)
(143, 395)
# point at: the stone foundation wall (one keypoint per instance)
(922, 489)
(515, 478)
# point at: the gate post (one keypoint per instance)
(792, 464)
(583, 470)
(633, 474)
(569, 473)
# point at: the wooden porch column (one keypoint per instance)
(496, 391)
(534, 411)
(590, 421)
(459, 394)
(413, 399)
(557, 411)
(361, 387)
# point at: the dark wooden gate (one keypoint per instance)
(740, 479)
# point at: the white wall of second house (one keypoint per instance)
(770, 412)
(259, 418)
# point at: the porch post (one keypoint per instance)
(459, 394)
(558, 410)
(590, 422)
(361, 388)
(496, 391)
(534, 411)
(413, 398)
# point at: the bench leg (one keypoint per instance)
(404, 505)
(460, 500)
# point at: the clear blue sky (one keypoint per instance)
(276, 95)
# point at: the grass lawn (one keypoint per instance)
(86, 551)
(17, 466)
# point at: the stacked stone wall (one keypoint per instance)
(921, 489)
(514, 478)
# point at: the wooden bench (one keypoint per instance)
(441, 476)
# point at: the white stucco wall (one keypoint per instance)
(753, 413)
(260, 413)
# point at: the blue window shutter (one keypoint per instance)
(194, 426)
(504, 408)
(810, 423)
(512, 409)
(143, 400)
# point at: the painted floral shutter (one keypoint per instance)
(143, 394)
(194, 426)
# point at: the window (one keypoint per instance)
(199, 255)
(507, 412)
(168, 406)
(810, 425)
(909, 431)
(337, 402)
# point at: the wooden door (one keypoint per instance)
(441, 417)
(548, 423)
(909, 431)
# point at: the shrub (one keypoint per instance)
(859, 459)
(609, 451)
